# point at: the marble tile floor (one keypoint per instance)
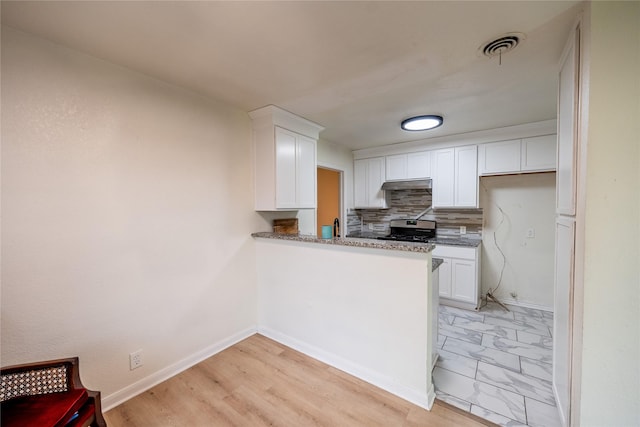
(497, 364)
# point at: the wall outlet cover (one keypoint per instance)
(463, 229)
(135, 360)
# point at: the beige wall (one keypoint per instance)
(611, 335)
(126, 216)
(528, 201)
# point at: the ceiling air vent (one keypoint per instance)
(502, 44)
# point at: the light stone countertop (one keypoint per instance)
(438, 240)
(355, 242)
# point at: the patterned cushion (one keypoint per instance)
(42, 381)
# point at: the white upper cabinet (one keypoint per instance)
(284, 160)
(306, 172)
(466, 177)
(499, 157)
(419, 165)
(567, 122)
(368, 177)
(396, 167)
(455, 177)
(443, 162)
(408, 166)
(536, 154)
(539, 153)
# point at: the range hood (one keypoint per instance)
(414, 184)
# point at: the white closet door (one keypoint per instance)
(563, 312)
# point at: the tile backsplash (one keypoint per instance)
(409, 204)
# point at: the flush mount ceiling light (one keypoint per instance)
(421, 123)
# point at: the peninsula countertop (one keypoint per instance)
(349, 241)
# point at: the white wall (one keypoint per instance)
(611, 330)
(362, 310)
(126, 216)
(528, 201)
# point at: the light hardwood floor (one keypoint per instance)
(259, 382)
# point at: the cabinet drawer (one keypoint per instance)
(454, 252)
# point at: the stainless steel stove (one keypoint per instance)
(411, 230)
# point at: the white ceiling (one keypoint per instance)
(357, 68)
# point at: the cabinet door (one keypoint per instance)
(539, 153)
(497, 158)
(419, 165)
(375, 179)
(443, 178)
(360, 183)
(306, 169)
(466, 177)
(396, 167)
(563, 313)
(285, 169)
(444, 278)
(463, 281)
(567, 137)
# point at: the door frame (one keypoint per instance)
(343, 214)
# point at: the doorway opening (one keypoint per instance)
(329, 199)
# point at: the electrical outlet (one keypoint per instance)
(463, 229)
(135, 360)
(531, 233)
(371, 226)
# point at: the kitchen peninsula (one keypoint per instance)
(363, 306)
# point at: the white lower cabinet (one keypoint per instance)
(444, 276)
(459, 276)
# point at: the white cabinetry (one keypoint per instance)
(455, 177)
(396, 167)
(539, 153)
(536, 154)
(443, 176)
(569, 111)
(496, 158)
(459, 276)
(567, 141)
(562, 319)
(444, 275)
(284, 160)
(368, 177)
(419, 165)
(408, 166)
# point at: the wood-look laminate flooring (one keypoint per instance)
(259, 382)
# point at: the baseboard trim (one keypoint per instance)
(424, 400)
(130, 391)
(512, 301)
